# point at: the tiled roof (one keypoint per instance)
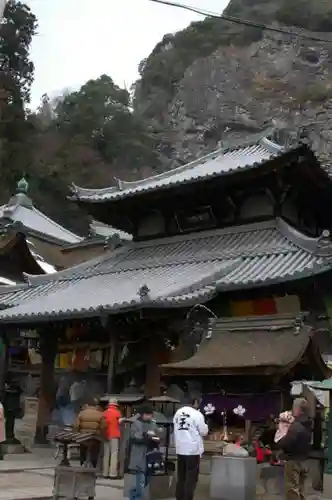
(233, 344)
(100, 235)
(45, 266)
(172, 272)
(20, 209)
(14, 234)
(6, 281)
(277, 342)
(100, 229)
(225, 160)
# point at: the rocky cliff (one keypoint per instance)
(251, 77)
(239, 89)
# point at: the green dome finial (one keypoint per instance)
(22, 186)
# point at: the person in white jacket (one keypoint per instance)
(189, 430)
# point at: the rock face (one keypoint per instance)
(246, 79)
(280, 79)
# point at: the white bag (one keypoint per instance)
(232, 450)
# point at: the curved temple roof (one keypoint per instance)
(225, 160)
(276, 342)
(172, 272)
(20, 209)
(44, 265)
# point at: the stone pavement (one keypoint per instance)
(32, 485)
(25, 461)
(29, 476)
(36, 485)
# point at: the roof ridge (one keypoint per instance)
(164, 175)
(76, 189)
(283, 320)
(56, 224)
(242, 228)
(232, 145)
(308, 243)
(13, 211)
(74, 272)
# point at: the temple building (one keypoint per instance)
(53, 244)
(241, 232)
(44, 235)
(18, 258)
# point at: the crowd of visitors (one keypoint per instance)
(292, 439)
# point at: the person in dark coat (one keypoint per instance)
(296, 445)
(143, 433)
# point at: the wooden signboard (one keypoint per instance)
(198, 218)
(27, 429)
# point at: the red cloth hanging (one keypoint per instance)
(264, 306)
(81, 360)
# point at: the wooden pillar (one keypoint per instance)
(3, 364)
(154, 348)
(111, 363)
(47, 393)
(317, 431)
(328, 469)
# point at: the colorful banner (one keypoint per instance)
(264, 307)
(258, 407)
(289, 304)
(242, 308)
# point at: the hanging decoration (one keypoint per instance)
(209, 409)
(239, 411)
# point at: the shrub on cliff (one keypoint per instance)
(307, 14)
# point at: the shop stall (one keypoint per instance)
(244, 369)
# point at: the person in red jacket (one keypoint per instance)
(112, 418)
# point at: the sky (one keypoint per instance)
(82, 39)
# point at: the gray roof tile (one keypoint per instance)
(20, 209)
(100, 229)
(177, 271)
(277, 341)
(224, 160)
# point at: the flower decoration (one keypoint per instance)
(209, 409)
(239, 411)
